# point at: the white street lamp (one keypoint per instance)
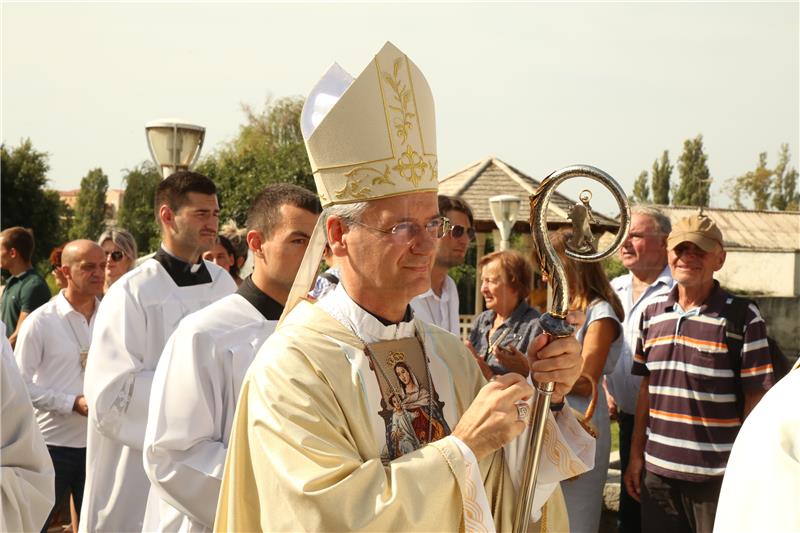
(174, 144)
(504, 209)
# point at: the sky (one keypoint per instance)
(539, 85)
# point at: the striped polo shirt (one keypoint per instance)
(694, 418)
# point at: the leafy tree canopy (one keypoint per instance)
(90, 209)
(136, 214)
(269, 149)
(27, 202)
(695, 179)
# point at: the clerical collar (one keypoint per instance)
(264, 304)
(367, 326)
(182, 273)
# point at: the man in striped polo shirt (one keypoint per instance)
(688, 395)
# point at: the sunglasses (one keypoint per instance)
(115, 255)
(457, 231)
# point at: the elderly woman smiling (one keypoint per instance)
(120, 249)
(501, 334)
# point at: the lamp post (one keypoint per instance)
(174, 144)
(504, 209)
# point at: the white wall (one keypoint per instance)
(772, 273)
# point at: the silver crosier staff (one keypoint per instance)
(581, 247)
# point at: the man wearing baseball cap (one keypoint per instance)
(688, 395)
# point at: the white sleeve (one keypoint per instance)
(116, 383)
(27, 493)
(29, 352)
(567, 451)
(183, 451)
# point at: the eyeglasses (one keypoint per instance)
(116, 255)
(458, 230)
(405, 232)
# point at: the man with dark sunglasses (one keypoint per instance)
(439, 305)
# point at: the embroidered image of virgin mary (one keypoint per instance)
(413, 418)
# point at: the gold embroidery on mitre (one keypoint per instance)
(404, 118)
(411, 166)
(402, 95)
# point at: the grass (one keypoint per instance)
(614, 436)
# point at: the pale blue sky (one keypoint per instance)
(539, 85)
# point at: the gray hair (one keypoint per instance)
(348, 212)
(123, 239)
(661, 220)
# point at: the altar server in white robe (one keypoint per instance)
(135, 319)
(313, 445)
(27, 491)
(201, 370)
(761, 487)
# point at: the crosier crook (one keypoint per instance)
(582, 247)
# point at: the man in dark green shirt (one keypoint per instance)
(25, 290)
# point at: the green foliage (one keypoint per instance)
(785, 196)
(695, 180)
(269, 149)
(755, 184)
(662, 172)
(614, 267)
(90, 209)
(767, 187)
(26, 202)
(641, 192)
(136, 213)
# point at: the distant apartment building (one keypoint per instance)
(113, 200)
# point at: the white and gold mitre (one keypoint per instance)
(373, 136)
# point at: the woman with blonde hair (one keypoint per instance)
(121, 253)
(597, 314)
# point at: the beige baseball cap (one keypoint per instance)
(697, 229)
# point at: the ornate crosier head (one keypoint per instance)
(373, 136)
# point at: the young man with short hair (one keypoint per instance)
(439, 304)
(136, 317)
(25, 290)
(197, 381)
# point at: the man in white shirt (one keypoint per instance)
(51, 353)
(198, 377)
(644, 253)
(137, 315)
(27, 490)
(439, 304)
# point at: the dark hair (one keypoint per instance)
(518, 269)
(226, 243)
(55, 256)
(450, 203)
(20, 239)
(264, 213)
(174, 190)
(587, 281)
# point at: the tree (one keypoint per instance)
(641, 193)
(268, 149)
(755, 184)
(136, 213)
(90, 209)
(785, 196)
(662, 172)
(695, 180)
(25, 201)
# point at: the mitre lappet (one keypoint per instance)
(367, 138)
